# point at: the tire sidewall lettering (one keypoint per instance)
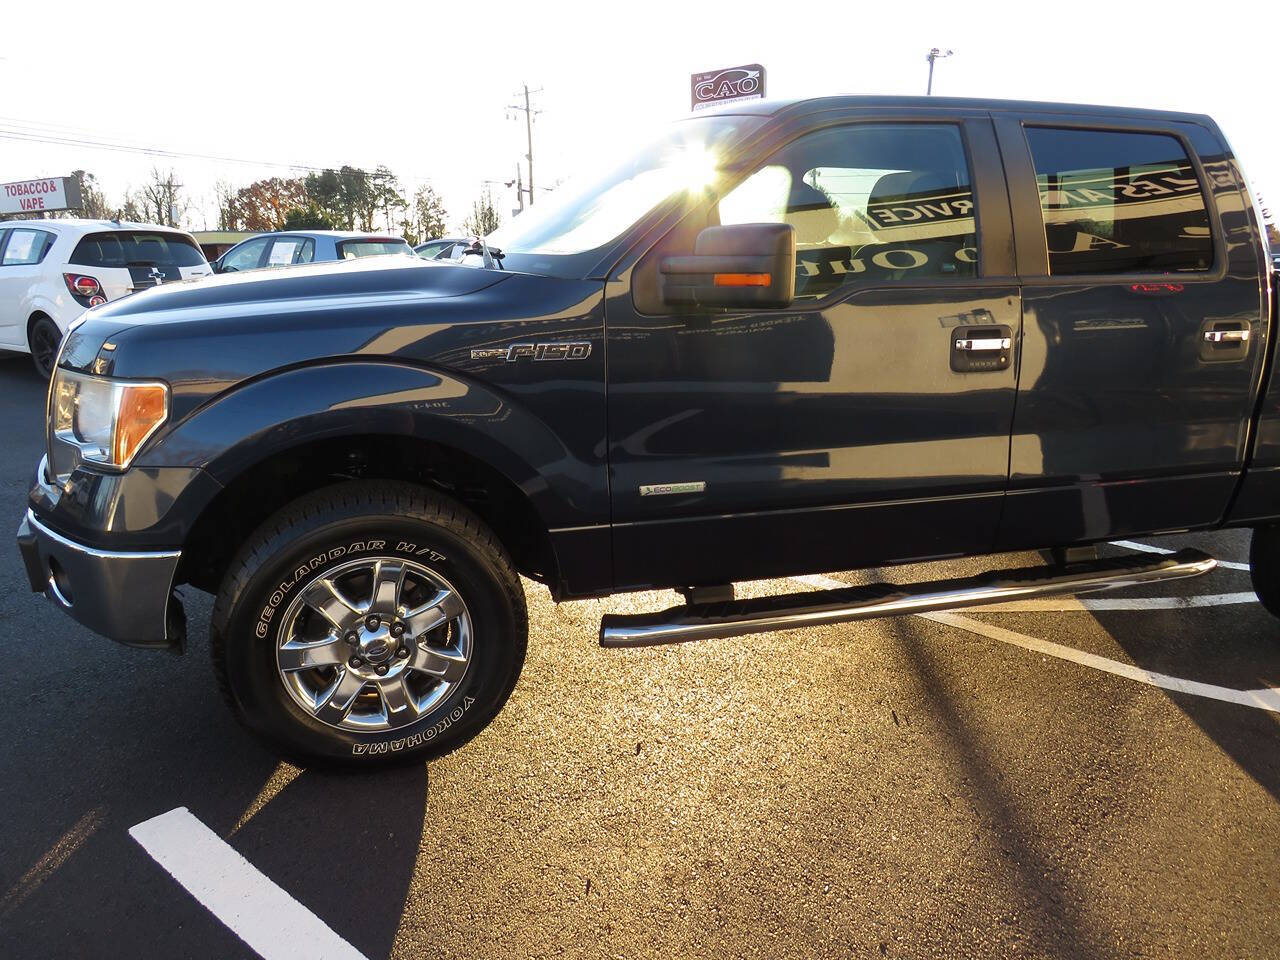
(307, 571)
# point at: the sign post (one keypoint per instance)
(715, 87)
(39, 196)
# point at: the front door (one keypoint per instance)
(20, 273)
(867, 423)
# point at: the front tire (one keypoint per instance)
(369, 623)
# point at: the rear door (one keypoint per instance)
(1143, 345)
(867, 423)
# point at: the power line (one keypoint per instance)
(8, 131)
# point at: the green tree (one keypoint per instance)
(310, 217)
(325, 191)
(361, 197)
(484, 217)
(427, 214)
(387, 194)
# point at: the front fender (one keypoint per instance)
(267, 416)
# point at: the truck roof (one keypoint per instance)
(804, 105)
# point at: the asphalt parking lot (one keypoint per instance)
(1052, 780)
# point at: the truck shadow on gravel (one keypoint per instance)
(1236, 647)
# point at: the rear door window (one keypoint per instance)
(133, 248)
(287, 251)
(1119, 202)
(870, 202)
(26, 246)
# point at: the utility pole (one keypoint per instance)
(934, 54)
(529, 113)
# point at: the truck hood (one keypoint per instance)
(292, 314)
(204, 337)
(269, 293)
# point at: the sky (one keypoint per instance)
(425, 87)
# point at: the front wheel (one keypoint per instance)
(369, 623)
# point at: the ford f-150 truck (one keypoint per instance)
(782, 338)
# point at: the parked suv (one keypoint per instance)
(268, 250)
(782, 339)
(51, 271)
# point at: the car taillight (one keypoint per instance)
(86, 290)
(81, 285)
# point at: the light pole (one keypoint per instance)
(934, 54)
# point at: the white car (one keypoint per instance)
(51, 271)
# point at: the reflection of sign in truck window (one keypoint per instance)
(1114, 202)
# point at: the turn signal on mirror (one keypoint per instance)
(742, 279)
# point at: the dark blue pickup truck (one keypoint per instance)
(783, 338)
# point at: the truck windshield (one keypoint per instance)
(561, 234)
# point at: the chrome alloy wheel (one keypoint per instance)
(374, 644)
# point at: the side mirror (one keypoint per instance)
(743, 265)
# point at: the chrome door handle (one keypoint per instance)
(990, 343)
(1226, 336)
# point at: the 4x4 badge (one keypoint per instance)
(578, 350)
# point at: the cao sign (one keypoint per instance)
(34, 196)
(722, 86)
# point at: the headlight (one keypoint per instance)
(101, 421)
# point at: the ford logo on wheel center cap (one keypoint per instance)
(376, 651)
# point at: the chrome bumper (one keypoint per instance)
(123, 596)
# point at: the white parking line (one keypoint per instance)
(1263, 698)
(272, 923)
(1148, 548)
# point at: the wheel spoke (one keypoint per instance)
(388, 578)
(441, 608)
(297, 655)
(401, 708)
(324, 598)
(446, 665)
(337, 700)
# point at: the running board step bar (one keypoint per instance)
(707, 621)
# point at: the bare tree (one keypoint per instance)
(94, 201)
(228, 210)
(161, 199)
(484, 217)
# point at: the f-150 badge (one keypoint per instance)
(578, 350)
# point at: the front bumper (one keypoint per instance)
(126, 597)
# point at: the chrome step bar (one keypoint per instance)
(707, 621)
